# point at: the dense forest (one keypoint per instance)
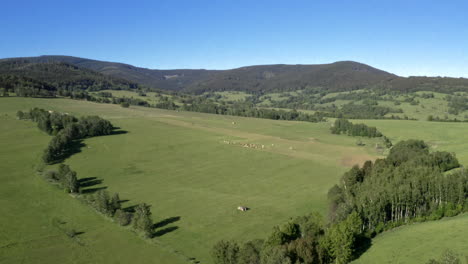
(44, 79)
(333, 77)
(411, 184)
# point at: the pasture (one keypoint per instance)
(417, 243)
(36, 216)
(193, 169)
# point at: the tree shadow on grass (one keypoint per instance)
(118, 132)
(77, 233)
(163, 223)
(164, 231)
(364, 243)
(166, 221)
(75, 146)
(130, 209)
(86, 179)
(89, 183)
(92, 190)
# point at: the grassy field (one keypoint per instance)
(194, 169)
(35, 216)
(420, 242)
(437, 106)
(444, 136)
(180, 163)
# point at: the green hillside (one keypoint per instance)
(418, 243)
(36, 216)
(180, 163)
(194, 170)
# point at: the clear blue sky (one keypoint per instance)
(403, 37)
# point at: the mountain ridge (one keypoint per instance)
(332, 77)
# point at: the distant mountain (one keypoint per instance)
(338, 76)
(333, 77)
(159, 79)
(54, 75)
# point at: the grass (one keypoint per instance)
(150, 96)
(417, 243)
(180, 163)
(36, 216)
(437, 106)
(441, 136)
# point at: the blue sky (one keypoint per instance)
(403, 37)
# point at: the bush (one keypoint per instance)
(125, 105)
(122, 218)
(71, 233)
(51, 175)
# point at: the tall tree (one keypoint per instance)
(142, 221)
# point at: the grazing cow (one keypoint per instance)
(242, 208)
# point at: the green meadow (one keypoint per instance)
(36, 216)
(193, 169)
(417, 243)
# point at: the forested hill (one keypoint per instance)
(51, 76)
(338, 76)
(333, 77)
(159, 79)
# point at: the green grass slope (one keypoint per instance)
(180, 163)
(194, 169)
(35, 216)
(441, 136)
(417, 243)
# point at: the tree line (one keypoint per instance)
(343, 126)
(66, 129)
(101, 201)
(411, 184)
(202, 105)
(359, 111)
(432, 118)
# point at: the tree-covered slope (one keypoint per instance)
(333, 77)
(160, 79)
(51, 76)
(338, 76)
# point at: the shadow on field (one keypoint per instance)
(163, 223)
(74, 147)
(165, 231)
(364, 244)
(77, 233)
(89, 181)
(166, 221)
(130, 209)
(92, 190)
(118, 131)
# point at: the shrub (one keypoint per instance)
(122, 218)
